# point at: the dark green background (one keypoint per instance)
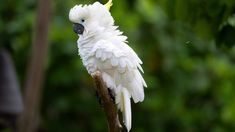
(187, 47)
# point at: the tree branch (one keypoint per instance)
(29, 120)
(108, 104)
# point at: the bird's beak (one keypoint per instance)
(78, 28)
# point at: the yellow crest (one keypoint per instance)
(108, 4)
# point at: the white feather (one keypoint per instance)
(114, 61)
(108, 80)
(98, 54)
(127, 109)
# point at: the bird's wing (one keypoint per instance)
(123, 65)
(122, 59)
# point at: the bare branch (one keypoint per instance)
(108, 104)
(29, 120)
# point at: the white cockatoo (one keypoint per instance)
(103, 48)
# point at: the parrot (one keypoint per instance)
(103, 47)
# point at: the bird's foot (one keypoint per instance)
(99, 99)
(112, 97)
(111, 94)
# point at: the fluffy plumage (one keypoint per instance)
(102, 47)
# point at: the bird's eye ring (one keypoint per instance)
(83, 20)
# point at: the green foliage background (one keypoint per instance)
(187, 47)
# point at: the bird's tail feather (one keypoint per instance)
(126, 111)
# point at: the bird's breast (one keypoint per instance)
(87, 59)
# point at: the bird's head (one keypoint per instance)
(91, 18)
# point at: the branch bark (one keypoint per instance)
(108, 104)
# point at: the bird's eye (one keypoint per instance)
(83, 20)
